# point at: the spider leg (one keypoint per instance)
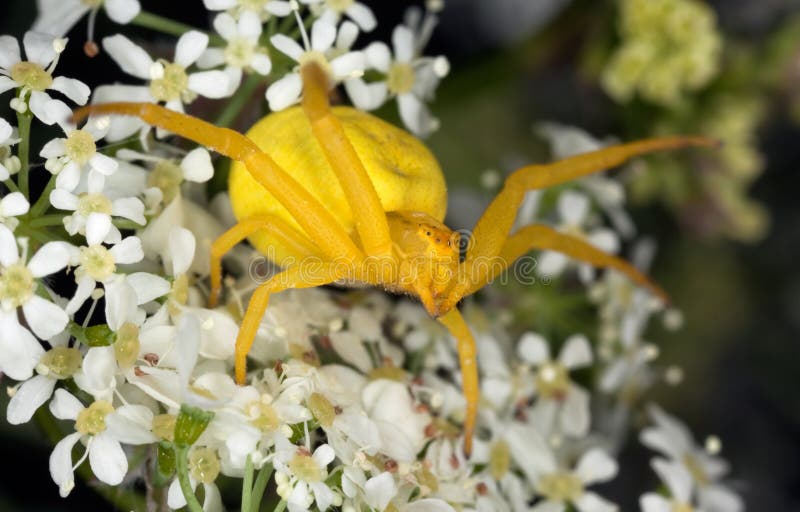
(300, 246)
(320, 226)
(368, 213)
(298, 276)
(491, 231)
(467, 357)
(544, 237)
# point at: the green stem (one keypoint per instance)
(44, 200)
(281, 506)
(11, 185)
(168, 26)
(182, 459)
(247, 485)
(47, 220)
(235, 105)
(24, 122)
(260, 487)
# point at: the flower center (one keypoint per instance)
(61, 362)
(172, 85)
(253, 5)
(16, 284)
(239, 52)
(97, 262)
(93, 203)
(126, 348)
(264, 416)
(499, 459)
(32, 75)
(552, 381)
(340, 5)
(560, 487)
(204, 465)
(164, 426)
(305, 468)
(80, 146)
(317, 57)
(682, 507)
(696, 470)
(167, 177)
(401, 78)
(92, 420)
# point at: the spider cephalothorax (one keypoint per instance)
(364, 201)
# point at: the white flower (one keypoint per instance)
(671, 438)
(68, 157)
(679, 482)
(574, 212)
(332, 10)
(320, 49)
(11, 206)
(35, 76)
(243, 52)
(204, 467)
(408, 77)
(59, 16)
(9, 164)
(169, 82)
(561, 403)
(103, 429)
(555, 482)
(301, 476)
(263, 8)
(97, 263)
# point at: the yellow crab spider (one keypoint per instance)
(335, 194)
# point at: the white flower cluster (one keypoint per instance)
(354, 401)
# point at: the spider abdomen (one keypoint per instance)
(405, 174)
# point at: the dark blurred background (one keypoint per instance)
(518, 62)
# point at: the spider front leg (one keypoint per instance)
(298, 276)
(467, 358)
(492, 230)
(300, 246)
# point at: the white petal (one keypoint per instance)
(175, 498)
(13, 204)
(130, 57)
(44, 318)
(99, 366)
(129, 250)
(348, 65)
(122, 11)
(49, 259)
(225, 25)
(279, 7)
(548, 506)
(652, 502)
(5, 131)
(366, 96)
(73, 89)
(107, 459)
(148, 286)
(284, 92)
(190, 46)
(103, 164)
(65, 406)
(39, 48)
(250, 25)
(287, 45)
(182, 249)
(362, 15)
(533, 348)
(596, 466)
(120, 303)
(261, 63)
(188, 344)
(53, 148)
(69, 177)
(347, 35)
(9, 254)
(19, 350)
(323, 455)
(403, 43)
(415, 115)
(85, 288)
(9, 52)
(129, 424)
(212, 502)
(379, 56)
(676, 476)
(575, 412)
(428, 505)
(551, 263)
(219, 5)
(211, 84)
(322, 35)
(39, 104)
(28, 398)
(61, 464)
(197, 166)
(573, 207)
(532, 453)
(717, 498)
(130, 208)
(97, 227)
(211, 58)
(591, 502)
(576, 352)
(380, 490)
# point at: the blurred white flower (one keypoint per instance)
(9, 164)
(264, 9)
(332, 11)
(680, 485)
(59, 16)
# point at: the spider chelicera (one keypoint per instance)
(335, 194)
